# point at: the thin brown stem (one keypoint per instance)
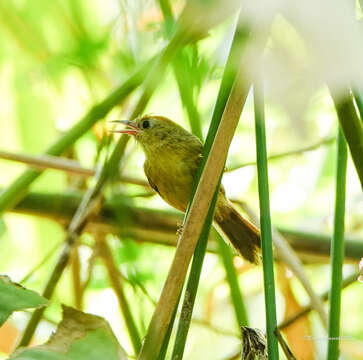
(59, 163)
(284, 154)
(284, 346)
(114, 278)
(76, 277)
(90, 266)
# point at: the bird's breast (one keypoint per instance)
(172, 177)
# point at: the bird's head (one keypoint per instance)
(156, 132)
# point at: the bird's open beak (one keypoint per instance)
(132, 128)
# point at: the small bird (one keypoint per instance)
(172, 158)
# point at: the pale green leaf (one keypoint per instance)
(14, 297)
(79, 336)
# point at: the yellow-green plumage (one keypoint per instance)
(172, 158)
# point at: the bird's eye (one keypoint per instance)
(146, 124)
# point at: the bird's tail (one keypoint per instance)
(242, 234)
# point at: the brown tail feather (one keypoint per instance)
(243, 235)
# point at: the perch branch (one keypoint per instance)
(160, 226)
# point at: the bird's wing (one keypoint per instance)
(149, 179)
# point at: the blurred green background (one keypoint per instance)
(58, 58)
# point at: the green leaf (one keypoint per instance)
(79, 336)
(128, 252)
(14, 297)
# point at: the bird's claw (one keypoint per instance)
(179, 230)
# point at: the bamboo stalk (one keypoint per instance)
(266, 232)
(194, 222)
(337, 250)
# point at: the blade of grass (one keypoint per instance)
(337, 250)
(266, 232)
(225, 253)
(352, 127)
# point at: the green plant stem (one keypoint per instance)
(182, 74)
(266, 232)
(114, 278)
(164, 347)
(337, 250)
(15, 191)
(225, 253)
(41, 263)
(193, 282)
(352, 127)
(185, 84)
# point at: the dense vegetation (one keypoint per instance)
(81, 226)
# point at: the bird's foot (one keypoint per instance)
(180, 228)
